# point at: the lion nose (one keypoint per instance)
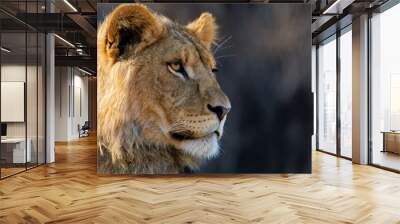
(220, 111)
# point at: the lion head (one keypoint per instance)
(157, 89)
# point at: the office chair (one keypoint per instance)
(84, 130)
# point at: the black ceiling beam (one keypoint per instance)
(8, 24)
(64, 51)
(91, 5)
(81, 61)
(86, 26)
(56, 22)
(91, 17)
(49, 22)
(16, 20)
(334, 26)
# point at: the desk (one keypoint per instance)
(13, 150)
(391, 141)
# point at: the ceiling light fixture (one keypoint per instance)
(337, 7)
(64, 40)
(84, 71)
(70, 5)
(5, 50)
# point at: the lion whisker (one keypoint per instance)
(226, 56)
(221, 44)
(226, 47)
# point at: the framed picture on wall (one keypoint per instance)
(204, 88)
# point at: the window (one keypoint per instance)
(333, 137)
(346, 92)
(385, 89)
(327, 95)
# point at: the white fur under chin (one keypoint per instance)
(203, 148)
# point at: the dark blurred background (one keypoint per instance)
(264, 64)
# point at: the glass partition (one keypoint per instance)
(22, 88)
(14, 153)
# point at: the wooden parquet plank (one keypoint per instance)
(70, 191)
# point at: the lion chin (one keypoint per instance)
(202, 148)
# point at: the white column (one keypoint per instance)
(50, 92)
(360, 90)
(50, 99)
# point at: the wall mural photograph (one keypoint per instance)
(196, 88)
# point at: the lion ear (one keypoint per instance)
(128, 25)
(204, 28)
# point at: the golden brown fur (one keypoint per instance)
(151, 117)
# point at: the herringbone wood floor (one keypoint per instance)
(70, 191)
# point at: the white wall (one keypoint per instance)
(16, 72)
(71, 94)
(9, 73)
(80, 109)
(61, 103)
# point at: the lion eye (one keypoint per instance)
(177, 69)
(176, 66)
(214, 70)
